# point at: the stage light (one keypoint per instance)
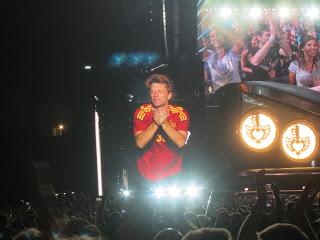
(87, 67)
(300, 141)
(225, 12)
(284, 12)
(255, 12)
(258, 130)
(174, 191)
(192, 191)
(312, 13)
(126, 192)
(159, 192)
(98, 153)
(246, 189)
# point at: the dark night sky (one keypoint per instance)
(46, 46)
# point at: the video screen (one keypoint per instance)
(243, 41)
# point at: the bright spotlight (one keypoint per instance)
(126, 193)
(300, 141)
(192, 191)
(312, 12)
(87, 67)
(159, 192)
(284, 12)
(225, 12)
(174, 192)
(255, 12)
(258, 130)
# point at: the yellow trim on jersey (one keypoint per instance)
(179, 110)
(143, 110)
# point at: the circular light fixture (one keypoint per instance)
(300, 141)
(258, 130)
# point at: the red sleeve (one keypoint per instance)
(183, 122)
(139, 123)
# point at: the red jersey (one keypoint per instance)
(160, 161)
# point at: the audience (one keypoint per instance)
(232, 217)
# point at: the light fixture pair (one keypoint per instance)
(259, 131)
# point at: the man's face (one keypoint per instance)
(265, 37)
(159, 94)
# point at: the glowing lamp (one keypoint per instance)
(258, 130)
(300, 141)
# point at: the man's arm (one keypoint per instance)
(144, 137)
(177, 137)
(285, 49)
(244, 68)
(262, 52)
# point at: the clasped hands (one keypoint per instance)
(160, 115)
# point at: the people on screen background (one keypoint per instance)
(246, 66)
(268, 61)
(305, 70)
(268, 47)
(222, 65)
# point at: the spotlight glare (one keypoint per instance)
(300, 141)
(258, 130)
(126, 193)
(192, 191)
(284, 12)
(255, 12)
(312, 12)
(225, 12)
(159, 192)
(174, 191)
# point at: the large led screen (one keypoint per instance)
(252, 41)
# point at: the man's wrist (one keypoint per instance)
(155, 123)
(164, 123)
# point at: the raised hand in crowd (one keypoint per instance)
(279, 209)
(249, 228)
(300, 217)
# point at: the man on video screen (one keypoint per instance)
(160, 130)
